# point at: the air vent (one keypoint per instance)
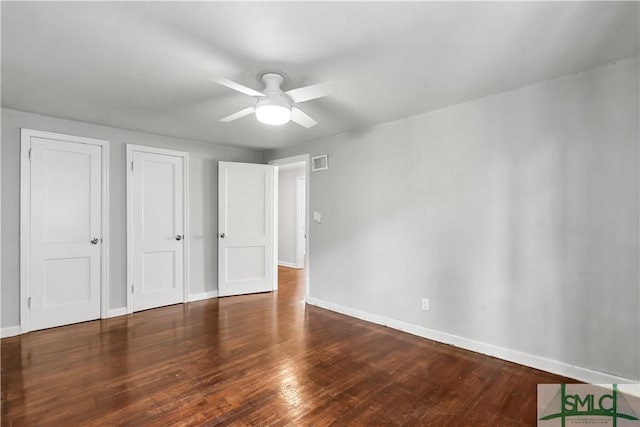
(319, 163)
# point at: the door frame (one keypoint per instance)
(25, 214)
(301, 214)
(130, 148)
(286, 161)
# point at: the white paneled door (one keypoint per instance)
(65, 229)
(157, 226)
(246, 256)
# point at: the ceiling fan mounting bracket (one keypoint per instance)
(272, 81)
(271, 71)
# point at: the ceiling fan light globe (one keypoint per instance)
(273, 114)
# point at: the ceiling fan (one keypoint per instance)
(273, 105)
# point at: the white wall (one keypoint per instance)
(203, 222)
(516, 214)
(287, 214)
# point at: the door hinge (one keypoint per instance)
(29, 153)
(29, 303)
(131, 288)
(132, 165)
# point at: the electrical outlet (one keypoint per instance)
(425, 304)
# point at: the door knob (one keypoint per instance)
(95, 241)
(178, 237)
(222, 236)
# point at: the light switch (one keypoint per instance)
(317, 217)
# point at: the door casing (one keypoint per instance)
(301, 223)
(25, 214)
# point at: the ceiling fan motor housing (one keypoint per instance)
(275, 107)
(272, 81)
(273, 92)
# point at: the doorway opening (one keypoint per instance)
(292, 203)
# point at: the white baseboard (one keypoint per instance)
(203, 295)
(537, 362)
(288, 264)
(115, 312)
(10, 331)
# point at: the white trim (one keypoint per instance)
(289, 160)
(25, 225)
(526, 359)
(185, 218)
(1, 215)
(203, 295)
(10, 331)
(115, 312)
(276, 225)
(288, 264)
(104, 295)
(130, 148)
(307, 173)
(25, 229)
(300, 220)
(129, 227)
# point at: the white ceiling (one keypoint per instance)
(147, 65)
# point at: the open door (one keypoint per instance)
(246, 256)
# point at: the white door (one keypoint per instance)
(246, 259)
(65, 232)
(157, 226)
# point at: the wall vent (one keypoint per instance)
(319, 163)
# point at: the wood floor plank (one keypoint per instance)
(264, 359)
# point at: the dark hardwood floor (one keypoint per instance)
(264, 359)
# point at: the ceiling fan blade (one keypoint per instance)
(237, 86)
(301, 118)
(307, 93)
(238, 115)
